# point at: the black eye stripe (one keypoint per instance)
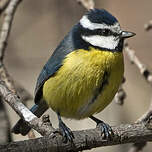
(102, 32)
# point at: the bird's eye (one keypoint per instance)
(103, 32)
(106, 32)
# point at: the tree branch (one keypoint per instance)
(13, 100)
(5, 135)
(10, 8)
(135, 60)
(6, 27)
(85, 139)
(121, 94)
(146, 73)
(3, 5)
(87, 4)
(148, 26)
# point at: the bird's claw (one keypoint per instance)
(106, 130)
(66, 132)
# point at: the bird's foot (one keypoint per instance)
(66, 132)
(106, 130)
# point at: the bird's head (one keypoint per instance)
(100, 29)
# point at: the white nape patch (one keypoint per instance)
(109, 42)
(86, 23)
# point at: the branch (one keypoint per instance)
(148, 77)
(87, 4)
(84, 140)
(148, 26)
(135, 60)
(121, 94)
(6, 27)
(3, 5)
(146, 118)
(5, 135)
(13, 100)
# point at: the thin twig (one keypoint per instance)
(14, 101)
(135, 60)
(145, 117)
(3, 5)
(87, 4)
(9, 9)
(86, 139)
(146, 73)
(121, 94)
(6, 27)
(148, 26)
(5, 135)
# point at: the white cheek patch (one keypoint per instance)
(109, 42)
(86, 23)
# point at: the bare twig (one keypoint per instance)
(148, 77)
(6, 27)
(85, 139)
(87, 4)
(121, 94)
(135, 60)
(9, 8)
(148, 26)
(13, 100)
(5, 135)
(3, 5)
(146, 118)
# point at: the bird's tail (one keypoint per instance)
(22, 127)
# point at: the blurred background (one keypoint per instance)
(39, 26)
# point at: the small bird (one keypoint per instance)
(83, 74)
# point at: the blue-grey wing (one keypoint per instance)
(71, 42)
(53, 65)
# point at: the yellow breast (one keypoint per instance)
(85, 84)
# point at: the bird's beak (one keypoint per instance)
(126, 34)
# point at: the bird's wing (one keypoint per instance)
(70, 43)
(53, 64)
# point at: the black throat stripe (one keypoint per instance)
(99, 90)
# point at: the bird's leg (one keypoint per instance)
(66, 132)
(105, 128)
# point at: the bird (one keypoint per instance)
(83, 74)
